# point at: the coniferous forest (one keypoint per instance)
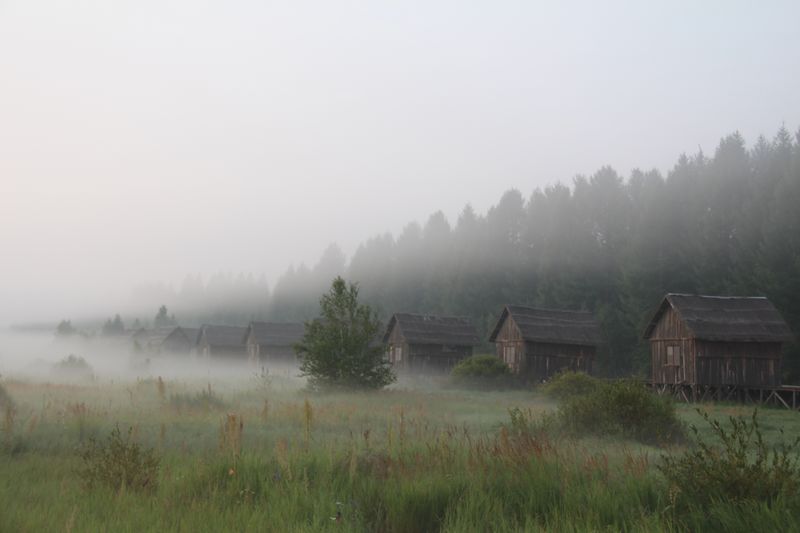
(726, 223)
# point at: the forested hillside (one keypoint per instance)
(725, 224)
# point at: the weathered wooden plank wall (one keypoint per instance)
(700, 362)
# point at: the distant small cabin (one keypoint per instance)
(149, 340)
(271, 342)
(221, 341)
(428, 343)
(716, 340)
(180, 340)
(538, 343)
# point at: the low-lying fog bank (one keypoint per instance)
(41, 357)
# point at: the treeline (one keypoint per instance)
(225, 298)
(727, 224)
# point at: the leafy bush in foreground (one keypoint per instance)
(741, 468)
(481, 370)
(625, 408)
(568, 384)
(119, 463)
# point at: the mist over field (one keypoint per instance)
(428, 267)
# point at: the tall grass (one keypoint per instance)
(395, 461)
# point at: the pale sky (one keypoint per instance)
(147, 140)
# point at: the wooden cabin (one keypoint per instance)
(716, 340)
(272, 342)
(428, 343)
(221, 341)
(180, 341)
(538, 343)
(149, 340)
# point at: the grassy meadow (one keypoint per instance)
(260, 454)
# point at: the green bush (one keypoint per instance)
(205, 400)
(568, 384)
(73, 365)
(624, 408)
(481, 370)
(742, 467)
(119, 463)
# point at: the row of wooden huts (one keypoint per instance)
(705, 340)
(718, 341)
(535, 343)
(257, 342)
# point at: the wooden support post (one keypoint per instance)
(778, 396)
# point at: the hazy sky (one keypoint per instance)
(148, 140)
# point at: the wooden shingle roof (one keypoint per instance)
(726, 318)
(552, 325)
(223, 336)
(434, 329)
(277, 333)
(151, 337)
(180, 332)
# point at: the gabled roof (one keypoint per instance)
(151, 337)
(145, 333)
(726, 318)
(223, 336)
(180, 332)
(552, 325)
(277, 333)
(432, 329)
(191, 334)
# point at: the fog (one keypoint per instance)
(142, 142)
(40, 357)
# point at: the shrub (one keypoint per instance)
(481, 370)
(568, 384)
(741, 468)
(625, 408)
(481, 366)
(119, 463)
(73, 365)
(205, 400)
(5, 399)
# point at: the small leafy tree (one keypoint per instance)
(339, 349)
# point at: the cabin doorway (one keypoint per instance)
(675, 361)
(511, 357)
